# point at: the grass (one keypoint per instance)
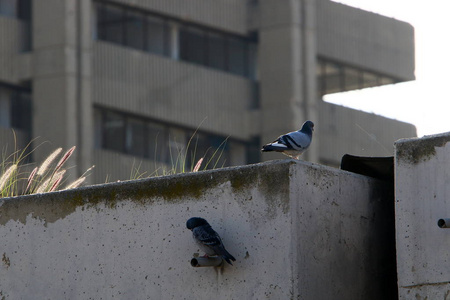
(20, 178)
(16, 180)
(179, 161)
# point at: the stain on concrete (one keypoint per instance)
(271, 178)
(415, 151)
(6, 261)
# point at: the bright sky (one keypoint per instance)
(424, 102)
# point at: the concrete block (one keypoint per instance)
(297, 230)
(422, 198)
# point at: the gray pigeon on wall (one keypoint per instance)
(293, 143)
(208, 240)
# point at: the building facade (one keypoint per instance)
(134, 82)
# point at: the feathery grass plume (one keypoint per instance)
(44, 178)
(75, 184)
(30, 179)
(48, 161)
(64, 158)
(56, 183)
(7, 176)
(49, 182)
(80, 180)
(42, 187)
(197, 165)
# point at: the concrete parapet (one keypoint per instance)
(298, 231)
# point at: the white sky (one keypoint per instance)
(424, 102)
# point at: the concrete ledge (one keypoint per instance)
(297, 230)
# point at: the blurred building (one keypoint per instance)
(134, 82)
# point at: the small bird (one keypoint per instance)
(293, 143)
(208, 240)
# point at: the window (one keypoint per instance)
(352, 79)
(98, 128)
(157, 36)
(24, 10)
(21, 110)
(219, 152)
(370, 79)
(114, 131)
(199, 148)
(254, 150)
(5, 110)
(135, 137)
(192, 43)
(157, 142)
(134, 30)
(110, 21)
(15, 107)
(252, 61)
(333, 77)
(237, 56)
(216, 50)
(160, 142)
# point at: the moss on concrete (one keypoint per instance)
(271, 178)
(415, 151)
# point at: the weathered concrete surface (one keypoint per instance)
(422, 198)
(297, 230)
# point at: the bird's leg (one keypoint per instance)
(206, 256)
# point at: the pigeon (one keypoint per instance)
(293, 143)
(208, 240)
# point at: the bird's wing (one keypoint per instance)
(207, 236)
(295, 140)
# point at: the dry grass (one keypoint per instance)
(47, 177)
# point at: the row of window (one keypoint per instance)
(334, 78)
(15, 107)
(178, 40)
(157, 141)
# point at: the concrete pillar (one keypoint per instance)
(310, 99)
(287, 59)
(62, 113)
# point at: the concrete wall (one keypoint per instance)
(174, 91)
(62, 107)
(228, 15)
(340, 126)
(422, 198)
(297, 230)
(366, 40)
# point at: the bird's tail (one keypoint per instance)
(227, 256)
(271, 147)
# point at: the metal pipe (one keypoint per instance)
(214, 261)
(444, 223)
